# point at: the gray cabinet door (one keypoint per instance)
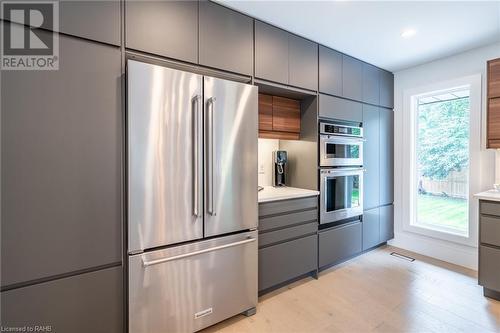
(285, 261)
(96, 20)
(352, 78)
(371, 228)
(166, 28)
(303, 66)
(489, 267)
(371, 89)
(339, 108)
(386, 223)
(226, 39)
(371, 150)
(338, 244)
(386, 89)
(271, 53)
(89, 302)
(61, 164)
(330, 71)
(386, 156)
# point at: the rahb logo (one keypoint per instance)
(27, 39)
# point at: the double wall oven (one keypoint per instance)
(341, 171)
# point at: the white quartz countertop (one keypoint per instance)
(492, 195)
(270, 193)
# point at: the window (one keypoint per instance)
(442, 161)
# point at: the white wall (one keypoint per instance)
(454, 67)
(265, 155)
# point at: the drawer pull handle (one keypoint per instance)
(190, 254)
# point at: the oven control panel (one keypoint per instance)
(340, 129)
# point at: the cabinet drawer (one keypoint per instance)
(268, 238)
(489, 267)
(282, 262)
(490, 230)
(281, 221)
(285, 206)
(340, 243)
(489, 208)
(73, 304)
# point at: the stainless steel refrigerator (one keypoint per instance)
(192, 199)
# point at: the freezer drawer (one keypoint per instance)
(190, 287)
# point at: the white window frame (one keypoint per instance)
(409, 194)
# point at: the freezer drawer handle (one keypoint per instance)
(190, 254)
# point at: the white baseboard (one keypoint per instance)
(457, 254)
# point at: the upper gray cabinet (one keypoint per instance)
(165, 28)
(271, 53)
(386, 156)
(330, 71)
(371, 90)
(96, 20)
(61, 164)
(352, 78)
(285, 58)
(303, 63)
(226, 39)
(386, 89)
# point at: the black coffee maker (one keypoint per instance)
(279, 167)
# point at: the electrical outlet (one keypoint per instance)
(261, 168)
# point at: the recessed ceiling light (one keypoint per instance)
(408, 33)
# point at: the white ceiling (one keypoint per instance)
(371, 30)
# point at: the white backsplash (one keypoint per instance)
(265, 158)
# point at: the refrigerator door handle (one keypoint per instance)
(190, 254)
(211, 152)
(196, 155)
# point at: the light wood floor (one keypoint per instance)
(376, 292)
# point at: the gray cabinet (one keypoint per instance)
(288, 244)
(386, 156)
(281, 262)
(352, 78)
(96, 20)
(271, 53)
(339, 108)
(489, 267)
(371, 89)
(226, 39)
(386, 223)
(489, 248)
(61, 164)
(285, 58)
(386, 89)
(303, 63)
(371, 150)
(90, 302)
(330, 71)
(371, 228)
(165, 28)
(339, 243)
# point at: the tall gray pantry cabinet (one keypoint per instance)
(61, 240)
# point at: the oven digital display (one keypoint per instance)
(335, 129)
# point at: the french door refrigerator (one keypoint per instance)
(192, 199)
